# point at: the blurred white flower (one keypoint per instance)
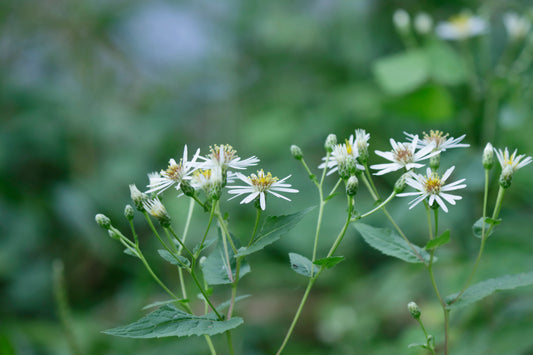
(401, 19)
(432, 187)
(517, 26)
(439, 140)
(461, 26)
(423, 23)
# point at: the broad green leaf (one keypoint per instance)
(162, 303)
(485, 288)
(445, 64)
(206, 245)
(329, 262)
(131, 252)
(301, 264)
(273, 229)
(169, 321)
(477, 228)
(402, 73)
(215, 266)
(440, 240)
(390, 243)
(183, 261)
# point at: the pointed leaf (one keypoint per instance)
(440, 240)
(169, 321)
(485, 288)
(390, 243)
(206, 245)
(330, 262)
(477, 228)
(273, 229)
(183, 261)
(131, 252)
(162, 303)
(301, 264)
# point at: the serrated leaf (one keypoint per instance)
(402, 73)
(329, 262)
(439, 241)
(131, 252)
(273, 229)
(390, 243)
(301, 264)
(485, 288)
(169, 321)
(477, 228)
(215, 266)
(162, 303)
(183, 261)
(206, 245)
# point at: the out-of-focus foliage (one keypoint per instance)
(95, 94)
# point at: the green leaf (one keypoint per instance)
(390, 243)
(215, 266)
(131, 252)
(445, 64)
(272, 230)
(162, 303)
(485, 288)
(301, 264)
(206, 245)
(183, 261)
(226, 304)
(430, 103)
(477, 228)
(402, 73)
(330, 262)
(169, 321)
(442, 239)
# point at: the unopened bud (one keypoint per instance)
(414, 310)
(488, 156)
(103, 221)
(506, 177)
(347, 167)
(137, 197)
(434, 162)
(158, 210)
(296, 152)
(352, 185)
(401, 20)
(423, 23)
(331, 141)
(187, 189)
(113, 234)
(129, 212)
(400, 184)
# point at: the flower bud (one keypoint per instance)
(506, 177)
(423, 23)
(401, 20)
(347, 167)
(352, 185)
(400, 184)
(113, 234)
(187, 189)
(137, 197)
(414, 310)
(434, 162)
(103, 221)
(157, 210)
(488, 156)
(296, 152)
(129, 212)
(331, 141)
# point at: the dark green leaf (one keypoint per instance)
(477, 228)
(442, 239)
(183, 261)
(402, 73)
(390, 243)
(169, 321)
(329, 262)
(485, 288)
(301, 264)
(273, 229)
(162, 303)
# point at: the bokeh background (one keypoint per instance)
(95, 94)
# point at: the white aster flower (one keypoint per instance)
(209, 180)
(517, 26)
(257, 186)
(513, 161)
(439, 140)
(174, 174)
(225, 157)
(432, 187)
(403, 155)
(361, 143)
(343, 159)
(461, 26)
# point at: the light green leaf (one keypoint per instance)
(485, 288)
(390, 243)
(429, 103)
(131, 252)
(215, 266)
(273, 229)
(169, 321)
(477, 228)
(445, 64)
(162, 303)
(402, 73)
(437, 242)
(183, 261)
(329, 262)
(301, 264)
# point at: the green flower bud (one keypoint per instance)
(296, 152)
(137, 197)
(414, 310)
(187, 189)
(347, 167)
(352, 185)
(331, 141)
(113, 234)
(506, 177)
(129, 212)
(400, 184)
(103, 221)
(434, 162)
(488, 156)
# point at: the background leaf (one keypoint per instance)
(477, 227)
(301, 264)
(402, 73)
(183, 261)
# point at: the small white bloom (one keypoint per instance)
(157, 210)
(225, 157)
(403, 155)
(423, 23)
(343, 159)
(361, 142)
(517, 26)
(512, 161)
(439, 140)
(432, 187)
(174, 174)
(257, 186)
(461, 26)
(209, 180)
(401, 20)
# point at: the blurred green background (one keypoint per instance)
(95, 94)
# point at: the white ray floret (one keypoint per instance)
(461, 27)
(513, 161)
(258, 185)
(439, 139)
(343, 158)
(433, 188)
(226, 158)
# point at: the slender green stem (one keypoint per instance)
(381, 205)
(369, 177)
(328, 155)
(369, 187)
(436, 213)
(134, 233)
(210, 345)
(256, 224)
(311, 175)
(428, 213)
(230, 342)
(179, 241)
(154, 276)
(428, 344)
(187, 222)
(211, 214)
(335, 187)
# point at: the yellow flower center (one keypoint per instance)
(460, 22)
(173, 172)
(403, 154)
(437, 137)
(433, 184)
(223, 153)
(261, 181)
(348, 147)
(201, 172)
